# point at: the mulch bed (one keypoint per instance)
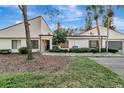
(16, 63)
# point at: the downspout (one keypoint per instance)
(101, 42)
(40, 33)
(74, 42)
(40, 43)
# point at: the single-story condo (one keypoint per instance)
(13, 37)
(89, 39)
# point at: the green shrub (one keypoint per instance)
(58, 50)
(74, 50)
(79, 50)
(5, 51)
(94, 50)
(103, 50)
(55, 48)
(23, 50)
(82, 50)
(112, 50)
(63, 50)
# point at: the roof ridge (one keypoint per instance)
(19, 23)
(105, 28)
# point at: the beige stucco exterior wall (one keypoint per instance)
(103, 43)
(81, 42)
(84, 42)
(45, 30)
(7, 44)
(37, 26)
(78, 42)
(19, 30)
(103, 32)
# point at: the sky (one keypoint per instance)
(70, 16)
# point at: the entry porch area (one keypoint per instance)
(45, 42)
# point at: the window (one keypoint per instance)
(34, 44)
(64, 45)
(93, 44)
(74, 46)
(16, 44)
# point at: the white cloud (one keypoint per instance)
(72, 19)
(94, 22)
(52, 26)
(69, 13)
(30, 13)
(18, 21)
(69, 26)
(9, 6)
(72, 6)
(119, 23)
(78, 13)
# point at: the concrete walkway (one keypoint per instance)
(84, 54)
(114, 64)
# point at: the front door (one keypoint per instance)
(47, 45)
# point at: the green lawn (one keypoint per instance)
(80, 72)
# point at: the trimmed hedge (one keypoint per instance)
(96, 50)
(82, 50)
(56, 49)
(113, 50)
(79, 50)
(5, 51)
(23, 50)
(59, 50)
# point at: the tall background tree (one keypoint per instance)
(97, 10)
(108, 22)
(51, 13)
(23, 9)
(88, 24)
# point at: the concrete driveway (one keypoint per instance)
(115, 64)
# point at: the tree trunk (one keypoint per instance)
(98, 31)
(108, 25)
(27, 31)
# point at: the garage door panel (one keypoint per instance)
(115, 45)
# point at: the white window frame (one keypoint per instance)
(18, 44)
(37, 44)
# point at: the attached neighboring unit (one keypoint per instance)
(89, 39)
(14, 37)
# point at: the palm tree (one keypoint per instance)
(88, 25)
(108, 16)
(105, 21)
(23, 9)
(97, 10)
